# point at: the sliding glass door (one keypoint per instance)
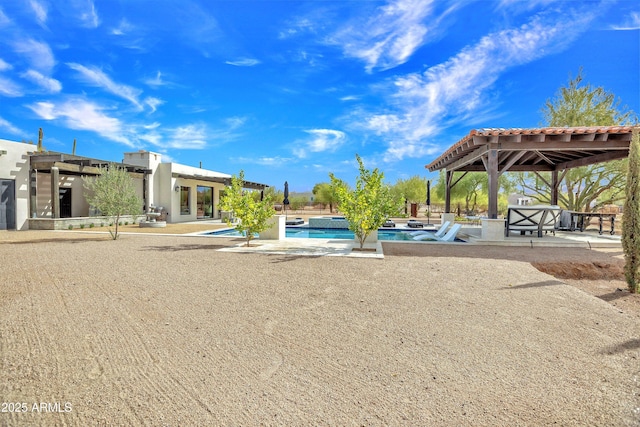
(205, 202)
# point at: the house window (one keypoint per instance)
(205, 202)
(185, 196)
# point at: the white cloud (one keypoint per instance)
(10, 128)
(153, 103)
(40, 10)
(99, 78)
(425, 103)
(4, 19)
(38, 54)
(156, 81)
(87, 13)
(4, 65)
(235, 122)
(243, 62)
(9, 88)
(80, 114)
(632, 22)
(390, 37)
(264, 161)
(123, 28)
(49, 84)
(192, 136)
(519, 5)
(320, 140)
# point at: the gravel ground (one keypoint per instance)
(166, 330)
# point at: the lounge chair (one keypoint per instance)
(438, 233)
(296, 221)
(450, 236)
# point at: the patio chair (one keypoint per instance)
(438, 233)
(450, 236)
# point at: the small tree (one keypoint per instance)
(631, 217)
(113, 194)
(253, 214)
(368, 206)
(413, 189)
(325, 194)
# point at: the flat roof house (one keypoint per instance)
(44, 190)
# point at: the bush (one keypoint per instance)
(82, 226)
(70, 227)
(91, 225)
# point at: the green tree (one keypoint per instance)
(297, 202)
(368, 206)
(631, 218)
(413, 190)
(113, 194)
(466, 191)
(324, 193)
(277, 196)
(253, 214)
(588, 187)
(577, 105)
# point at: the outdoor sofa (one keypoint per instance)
(538, 218)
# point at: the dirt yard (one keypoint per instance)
(167, 330)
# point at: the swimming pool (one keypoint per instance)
(321, 233)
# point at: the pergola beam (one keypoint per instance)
(599, 158)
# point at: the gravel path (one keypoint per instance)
(151, 330)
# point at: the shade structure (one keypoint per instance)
(553, 150)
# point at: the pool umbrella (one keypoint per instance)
(285, 202)
(428, 200)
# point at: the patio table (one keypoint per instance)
(581, 220)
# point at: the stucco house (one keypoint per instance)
(44, 190)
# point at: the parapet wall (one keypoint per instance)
(328, 222)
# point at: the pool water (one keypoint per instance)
(340, 233)
(322, 233)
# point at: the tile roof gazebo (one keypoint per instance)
(552, 150)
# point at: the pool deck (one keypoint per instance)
(310, 247)
(470, 233)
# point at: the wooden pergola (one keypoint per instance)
(55, 163)
(554, 150)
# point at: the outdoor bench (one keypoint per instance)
(532, 218)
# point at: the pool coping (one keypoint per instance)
(302, 246)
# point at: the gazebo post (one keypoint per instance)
(492, 170)
(554, 187)
(447, 191)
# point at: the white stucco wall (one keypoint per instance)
(14, 165)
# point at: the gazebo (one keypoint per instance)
(554, 150)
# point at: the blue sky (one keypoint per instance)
(292, 90)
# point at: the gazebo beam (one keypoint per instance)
(600, 158)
